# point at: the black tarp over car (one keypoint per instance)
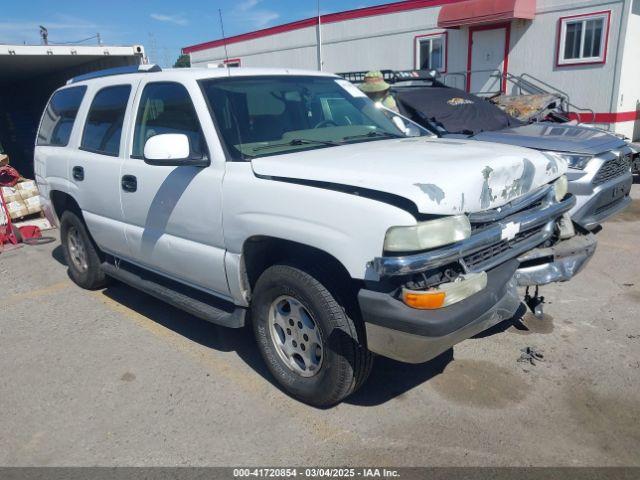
(456, 110)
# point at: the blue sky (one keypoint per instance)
(162, 26)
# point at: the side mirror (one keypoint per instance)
(408, 128)
(412, 130)
(171, 150)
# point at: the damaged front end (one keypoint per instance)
(426, 302)
(534, 229)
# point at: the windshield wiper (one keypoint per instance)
(373, 134)
(296, 142)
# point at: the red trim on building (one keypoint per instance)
(475, 12)
(446, 48)
(616, 117)
(606, 39)
(329, 18)
(505, 59)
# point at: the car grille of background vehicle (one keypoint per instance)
(613, 168)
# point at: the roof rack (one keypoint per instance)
(147, 68)
(392, 76)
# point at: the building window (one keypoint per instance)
(431, 52)
(232, 62)
(583, 39)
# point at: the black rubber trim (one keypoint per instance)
(185, 298)
(389, 198)
(382, 309)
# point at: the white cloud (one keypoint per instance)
(175, 19)
(247, 5)
(248, 13)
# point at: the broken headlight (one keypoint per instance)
(574, 160)
(561, 187)
(430, 234)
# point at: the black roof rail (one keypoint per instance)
(147, 68)
(391, 76)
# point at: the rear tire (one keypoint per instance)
(81, 253)
(315, 350)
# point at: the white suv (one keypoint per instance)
(287, 200)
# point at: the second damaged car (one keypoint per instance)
(287, 200)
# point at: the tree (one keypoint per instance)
(183, 61)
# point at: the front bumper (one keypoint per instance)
(558, 263)
(596, 201)
(409, 335)
(405, 334)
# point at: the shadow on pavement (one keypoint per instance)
(58, 256)
(389, 379)
(200, 331)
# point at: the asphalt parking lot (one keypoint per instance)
(115, 377)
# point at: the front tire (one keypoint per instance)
(81, 253)
(311, 345)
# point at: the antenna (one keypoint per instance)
(226, 53)
(319, 38)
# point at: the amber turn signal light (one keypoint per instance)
(424, 300)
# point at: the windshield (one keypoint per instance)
(273, 115)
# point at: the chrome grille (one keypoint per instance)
(477, 261)
(612, 169)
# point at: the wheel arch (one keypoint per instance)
(62, 201)
(262, 251)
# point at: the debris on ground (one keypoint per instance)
(531, 355)
(21, 215)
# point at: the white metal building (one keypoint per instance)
(588, 49)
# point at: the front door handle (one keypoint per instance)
(129, 183)
(78, 173)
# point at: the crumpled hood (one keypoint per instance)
(556, 137)
(440, 176)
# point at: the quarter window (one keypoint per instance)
(431, 52)
(103, 129)
(166, 107)
(583, 39)
(59, 116)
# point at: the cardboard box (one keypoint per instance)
(33, 204)
(27, 189)
(17, 209)
(24, 195)
(10, 194)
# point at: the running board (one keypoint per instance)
(195, 302)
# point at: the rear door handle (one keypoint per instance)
(78, 173)
(129, 183)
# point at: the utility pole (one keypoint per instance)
(319, 38)
(44, 34)
(153, 49)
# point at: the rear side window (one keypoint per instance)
(103, 128)
(58, 118)
(166, 107)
